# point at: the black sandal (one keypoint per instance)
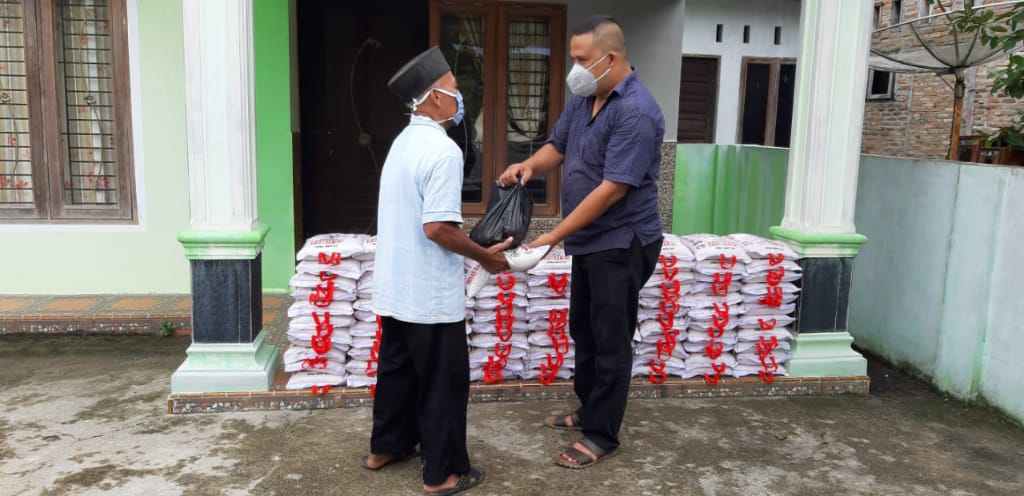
(558, 422)
(394, 459)
(467, 481)
(581, 460)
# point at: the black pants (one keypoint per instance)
(602, 318)
(422, 392)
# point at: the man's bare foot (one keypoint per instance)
(452, 481)
(376, 462)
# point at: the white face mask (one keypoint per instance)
(581, 81)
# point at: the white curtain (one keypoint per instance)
(15, 151)
(528, 79)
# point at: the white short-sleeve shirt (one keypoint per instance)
(415, 279)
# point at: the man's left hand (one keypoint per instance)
(545, 239)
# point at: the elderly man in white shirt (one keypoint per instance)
(423, 372)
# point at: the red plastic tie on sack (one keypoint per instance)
(775, 276)
(320, 390)
(714, 349)
(327, 276)
(765, 377)
(319, 362)
(775, 259)
(373, 390)
(506, 281)
(773, 298)
(726, 263)
(721, 284)
(558, 283)
(671, 289)
(322, 294)
(767, 325)
(332, 259)
(320, 344)
(766, 346)
(658, 373)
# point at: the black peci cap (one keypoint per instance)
(417, 75)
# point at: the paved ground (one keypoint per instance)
(85, 415)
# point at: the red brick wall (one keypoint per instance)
(916, 122)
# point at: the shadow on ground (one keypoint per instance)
(86, 415)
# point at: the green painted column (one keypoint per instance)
(276, 114)
(821, 183)
(224, 245)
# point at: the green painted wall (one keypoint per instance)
(728, 189)
(62, 259)
(272, 47)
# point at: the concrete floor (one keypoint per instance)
(85, 415)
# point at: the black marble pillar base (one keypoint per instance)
(227, 301)
(825, 294)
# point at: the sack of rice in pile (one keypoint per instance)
(498, 338)
(770, 291)
(661, 319)
(548, 293)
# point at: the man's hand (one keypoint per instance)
(520, 173)
(495, 261)
(547, 239)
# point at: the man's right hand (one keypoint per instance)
(516, 173)
(495, 261)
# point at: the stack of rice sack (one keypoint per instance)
(715, 306)
(321, 318)
(498, 333)
(770, 290)
(551, 354)
(366, 331)
(662, 318)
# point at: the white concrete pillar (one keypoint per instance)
(821, 185)
(228, 351)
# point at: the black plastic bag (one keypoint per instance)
(508, 216)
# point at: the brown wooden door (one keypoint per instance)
(698, 100)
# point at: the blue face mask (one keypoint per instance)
(460, 111)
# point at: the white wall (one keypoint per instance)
(762, 16)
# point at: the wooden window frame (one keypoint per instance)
(495, 141)
(48, 154)
(772, 111)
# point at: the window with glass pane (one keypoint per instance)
(85, 76)
(16, 147)
(462, 42)
(528, 93)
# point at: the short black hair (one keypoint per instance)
(592, 23)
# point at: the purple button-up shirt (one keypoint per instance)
(621, 144)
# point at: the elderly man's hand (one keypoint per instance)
(515, 173)
(495, 261)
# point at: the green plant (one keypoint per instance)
(167, 329)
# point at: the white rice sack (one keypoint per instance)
(360, 380)
(518, 340)
(296, 354)
(706, 301)
(329, 367)
(656, 292)
(518, 313)
(762, 266)
(751, 346)
(540, 353)
(492, 303)
(780, 333)
(476, 278)
(345, 245)
(709, 289)
(521, 326)
(645, 313)
(491, 291)
(754, 321)
(702, 361)
(365, 283)
(546, 292)
(653, 327)
(671, 362)
(349, 269)
(691, 373)
(555, 262)
(748, 370)
(645, 349)
(479, 356)
(728, 337)
(301, 280)
(756, 299)
(371, 250)
(304, 307)
(757, 309)
(700, 347)
(781, 356)
(303, 294)
(548, 304)
(712, 247)
(306, 321)
(340, 342)
(658, 278)
(306, 380)
(762, 289)
(708, 313)
(532, 373)
(541, 338)
(361, 354)
(367, 266)
(758, 247)
(673, 246)
(363, 329)
(789, 276)
(709, 268)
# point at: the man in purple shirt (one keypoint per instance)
(609, 139)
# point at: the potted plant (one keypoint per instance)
(1007, 143)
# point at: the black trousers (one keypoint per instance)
(602, 318)
(422, 392)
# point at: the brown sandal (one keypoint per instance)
(559, 422)
(581, 460)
